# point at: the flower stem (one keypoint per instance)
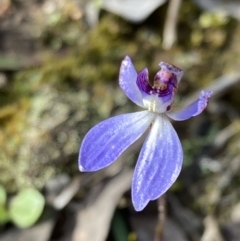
(161, 218)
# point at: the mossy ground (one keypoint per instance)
(46, 109)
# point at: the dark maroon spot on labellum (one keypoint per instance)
(169, 108)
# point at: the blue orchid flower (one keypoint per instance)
(160, 159)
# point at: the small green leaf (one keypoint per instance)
(3, 195)
(4, 216)
(26, 208)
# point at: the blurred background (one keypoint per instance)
(59, 66)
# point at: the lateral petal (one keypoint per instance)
(193, 109)
(158, 165)
(143, 82)
(105, 142)
(127, 81)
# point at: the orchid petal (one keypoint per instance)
(193, 109)
(143, 82)
(127, 81)
(158, 165)
(105, 142)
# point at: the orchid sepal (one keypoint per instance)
(105, 142)
(193, 109)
